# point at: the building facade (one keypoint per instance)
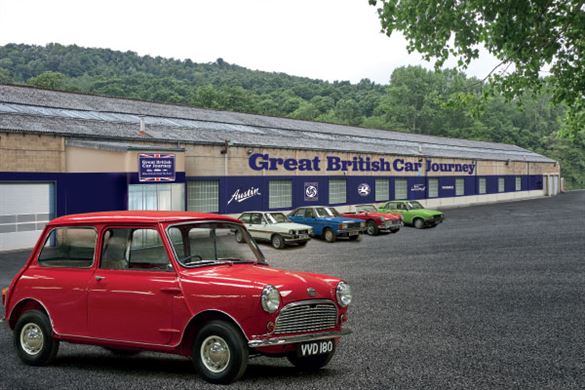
(63, 153)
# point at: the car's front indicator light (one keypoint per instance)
(4, 294)
(342, 226)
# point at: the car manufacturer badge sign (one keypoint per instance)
(311, 192)
(156, 167)
(311, 291)
(418, 187)
(364, 189)
(241, 196)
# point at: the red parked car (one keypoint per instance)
(171, 282)
(376, 221)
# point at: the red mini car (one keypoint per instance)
(376, 221)
(171, 282)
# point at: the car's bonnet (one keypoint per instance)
(251, 278)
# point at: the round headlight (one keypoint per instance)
(343, 294)
(270, 299)
(291, 232)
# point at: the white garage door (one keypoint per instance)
(24, 211)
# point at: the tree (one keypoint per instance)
(527, 36)
(5, 76)
(48, 80)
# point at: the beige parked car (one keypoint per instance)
(275, 228)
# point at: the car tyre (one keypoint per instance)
(220, 353)
(277, 241)
(372, 229)
(419, 223)
(239, 236)
(329, 235)
(310, 363)
(33, 339)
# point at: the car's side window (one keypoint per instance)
(71, 247)
(245, 218)
(256, 219)
(309, 213)
(134, 249)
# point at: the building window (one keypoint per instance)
(459, 187)
(400, 189)
(518, 183)
(382, 190)
(501, 184)
(279, 194)
(203, 196)
(433, 188)
(482, 185)
(156, 196)
(337, 191)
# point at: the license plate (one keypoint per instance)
(354, 233)
(303, 236)
(315, 348)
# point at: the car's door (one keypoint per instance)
(130, 297)
(298, 216)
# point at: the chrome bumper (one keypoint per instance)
(297, 339)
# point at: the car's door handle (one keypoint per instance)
(171, 290)
(99, 277)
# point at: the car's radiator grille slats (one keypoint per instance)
(306, 318)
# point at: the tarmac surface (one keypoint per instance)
(492, 298)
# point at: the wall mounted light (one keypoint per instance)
(508, 161)
(226, 144)
(249, 151)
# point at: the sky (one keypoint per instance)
(322, 39)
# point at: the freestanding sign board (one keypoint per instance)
(156, 167)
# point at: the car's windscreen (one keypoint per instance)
(365, 209)
(211, 243)
(276, 218)
(415, 205)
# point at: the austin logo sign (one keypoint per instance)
(245, 195)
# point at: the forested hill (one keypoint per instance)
(444, 103)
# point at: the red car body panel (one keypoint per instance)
(374, 216)
(152, 309)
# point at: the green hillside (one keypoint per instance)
(444, 103)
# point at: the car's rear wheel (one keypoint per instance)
(328, 235)
(418, 223)
(310, 363)
(220, 353)
(33, 339)
(277, 241)
(239, 236)
(372, 229)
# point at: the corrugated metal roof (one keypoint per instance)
(26, 109)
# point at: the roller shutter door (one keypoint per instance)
(24, 211)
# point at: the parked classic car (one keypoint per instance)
(175, 282)
(275, 228)
(414, 213)
(376, 221)
(328, 223)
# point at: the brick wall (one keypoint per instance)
(31, 153)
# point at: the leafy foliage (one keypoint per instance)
(442, 102)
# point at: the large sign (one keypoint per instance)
(156, 167)
(263, 162)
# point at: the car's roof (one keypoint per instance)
(139, 217)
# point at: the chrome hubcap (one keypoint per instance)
(371, 229)
(276, 241)
(215, 354)
(31, 339)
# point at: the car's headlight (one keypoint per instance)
(270, 298)
(362, 224)
(382, 219)
(343, 293)
(342, 226)
(291, 232)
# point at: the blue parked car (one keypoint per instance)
(328, 223)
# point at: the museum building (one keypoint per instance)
(64, 153)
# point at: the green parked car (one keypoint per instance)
(413, 213)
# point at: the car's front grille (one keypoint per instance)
(353, 225)
(303, 232)
(306, 316)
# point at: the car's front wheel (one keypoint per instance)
(310, 363)
(220, 353)
(33, 339)
(277, 241)
(372, 229)
(329, 235)
(419, 223)
(239, 236)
